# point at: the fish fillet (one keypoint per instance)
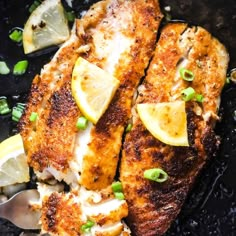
(66, 213)
(153, 206)
(119, 37)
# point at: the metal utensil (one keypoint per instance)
(18, 209)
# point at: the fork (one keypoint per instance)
(19, 211)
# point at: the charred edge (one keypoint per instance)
(38, 161)
(41, 159)
(51, 206)
(210, 142)
(62, 103)
(115, 115)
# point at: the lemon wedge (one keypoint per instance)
(166, 121)
(46, 26)
(92, 88)
(13, 164)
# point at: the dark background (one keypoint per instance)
(211, 206)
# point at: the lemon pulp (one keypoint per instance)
(13, 164)
(166, 121)
(46, 26)
(92, 88)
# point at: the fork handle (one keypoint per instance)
(4, 211)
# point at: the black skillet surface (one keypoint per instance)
(211, 206)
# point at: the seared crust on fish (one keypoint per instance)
(129, 30)
(153, 206)
(49, 140)
(66, 213)
(118, 36)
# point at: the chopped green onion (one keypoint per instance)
(156, 174)
(16, 35)
(228, 80)
(188, 94)
(70, 15)
(82, 123)
(4, 109)
(16, 113)
(168, 16)
(21, 105)
(20, 67)
(86, 228)
(34, 5)
(128, 128)
(33, 116)
(119, 195)
(186, 74)
(4, 70)
(199, 97)
(117, 187)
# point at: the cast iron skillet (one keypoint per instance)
(211, 206)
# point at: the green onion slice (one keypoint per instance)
(156, 174)
(4, 108)
(188, 94)
(186, 74)
(70, 15)
(16, 35)
(20, 67)
(117, 187)
(16, 113)
(33, 116)
(34, 5)
(86, 228)
(82, 123)
(128, 128)
(4, 70)
(199, 97)
(119, 195)
(21, 105)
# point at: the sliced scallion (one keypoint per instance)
(21, 105)
(20, 67)
(188, 94)
(70, 15)
(227, 81)
(16, 113)
(116, 187)
(199, 97)
(186, 74)
(16, 35)
(82, 123)
(4, 108)
(4, 70)
(156, 174)
(34, 5)
(86, 228)
(33, 116)
(128, 128)
(119, 195)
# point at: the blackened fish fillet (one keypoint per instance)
(153, 206)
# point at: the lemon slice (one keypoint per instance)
(46, 26)
(166, 121)
(92, 89)
(13, 164)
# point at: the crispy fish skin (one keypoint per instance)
(153, 206)
(130, 26)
